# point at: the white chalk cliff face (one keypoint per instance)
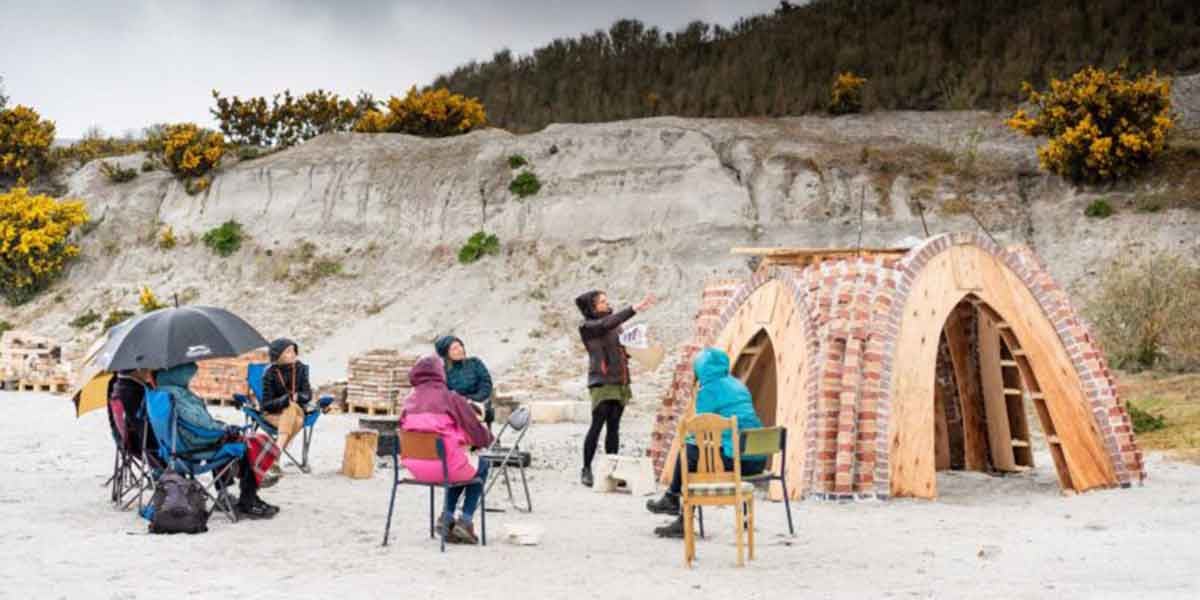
(648, 205)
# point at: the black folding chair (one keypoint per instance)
(504, 457)
(428, 446)
(130, 479)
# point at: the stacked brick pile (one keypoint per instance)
(217, 380)
(378, 380)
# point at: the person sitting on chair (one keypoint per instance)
(286, 391)
(720, 394)
(196, 439)
(467, 376)
(431, 407)
(129, 387)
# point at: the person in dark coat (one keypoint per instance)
(129, 388)
(466, 375)
(608, 371)
(286, 390)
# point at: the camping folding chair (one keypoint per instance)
(712, 485)
(429, 446)
(765, 441)
(256, 418)
(222, 457)
(130, 477)
(504, 457)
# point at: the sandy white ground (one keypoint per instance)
(986, 538)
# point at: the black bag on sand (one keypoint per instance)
(179, 505)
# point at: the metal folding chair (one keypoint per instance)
(130, 477)
(428, 446)
(504, 457)
(765, 441)
(256, 419)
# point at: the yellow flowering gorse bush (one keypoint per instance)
(846, 94)
(25, 140)
(34, 246)
(434, 113)
(148, 301)
(1101, 125)
(190, 151)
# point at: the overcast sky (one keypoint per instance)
(122, 65)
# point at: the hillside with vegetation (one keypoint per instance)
(915, 54)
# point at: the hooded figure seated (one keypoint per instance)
(204, 435)
(431, 407)
(467, 376)
(720, 394)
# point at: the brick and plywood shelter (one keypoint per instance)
(887, 365)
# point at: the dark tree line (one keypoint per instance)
(917, 54)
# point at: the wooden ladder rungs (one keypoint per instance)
(1012, 392)
(1008, 363)
(1020, 444)
(1002, 325)
(1017, 352)
(1037, 396)
(1053, 439)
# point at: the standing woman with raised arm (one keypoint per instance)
(608, 371)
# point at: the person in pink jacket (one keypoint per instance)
(432, 408)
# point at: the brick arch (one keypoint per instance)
(1090, 372)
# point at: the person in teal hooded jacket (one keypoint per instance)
(720, 394)
(205, 434)
(466, 376)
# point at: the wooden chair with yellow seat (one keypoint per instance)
(712, 485)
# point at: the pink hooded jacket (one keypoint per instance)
(431, 407)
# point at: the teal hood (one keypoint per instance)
(177, 376)
(710, 365)
(724, 395)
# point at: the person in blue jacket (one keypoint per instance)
(204, 435)
(720, 394)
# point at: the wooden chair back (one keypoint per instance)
(707, 430)
(420, 445)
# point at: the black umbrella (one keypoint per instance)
(173, 336)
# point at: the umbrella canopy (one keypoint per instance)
(92, 395)
(91, 382)
(174, 336)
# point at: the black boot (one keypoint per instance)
(586, 477)
(672, 530)
(254, 510)
(667, 505)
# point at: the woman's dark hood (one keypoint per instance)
(586, 302)
(442, 345)
(277, 347)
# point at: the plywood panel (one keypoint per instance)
(975, 440)
(995, 403)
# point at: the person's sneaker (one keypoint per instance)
(255, 511)
(271, 508)
(672, 530)
(585, 477)
(463, 532)
(667, 505)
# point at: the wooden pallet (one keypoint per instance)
(368, 409)
(54, 387)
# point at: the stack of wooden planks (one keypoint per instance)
(30, 362)
(217, 380)
(377, 381)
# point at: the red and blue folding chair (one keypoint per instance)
(131, 478)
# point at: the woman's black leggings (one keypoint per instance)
(606, 414)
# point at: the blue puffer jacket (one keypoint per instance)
(201, 430)
(722, 394)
